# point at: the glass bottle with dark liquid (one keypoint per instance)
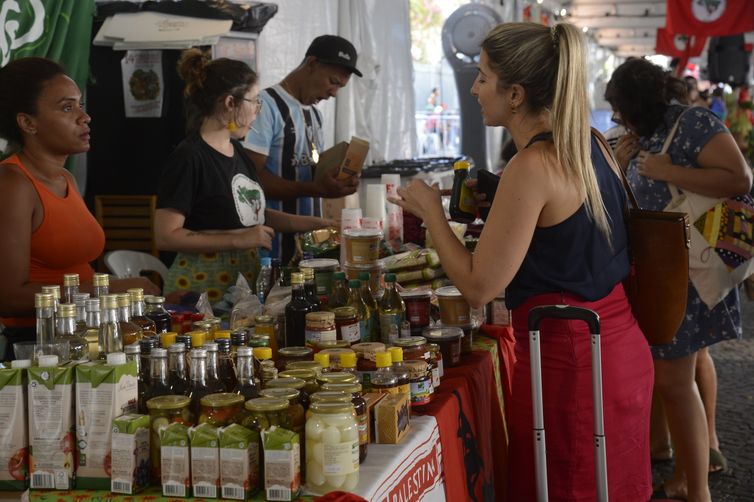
(310, 288)
(146, 324)
(225, 367)
(245, 385)
(155, 310)
(131, 332)
(177, 374)
(198, 384)
(214, 385)
(133, 353)
(159, 384)
(295, 312)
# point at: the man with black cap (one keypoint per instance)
(286, 138)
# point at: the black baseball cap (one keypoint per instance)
(332, 49)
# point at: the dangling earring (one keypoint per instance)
(513, 110)
(231, 126)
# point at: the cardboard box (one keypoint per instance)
(205, 461)
(346, 159)
(239, 462)
(130, 454)
(282, 464)
(371, 398)
(392, 417)
(14, 437)
(103, 392)
(175, 460)
(51, 443)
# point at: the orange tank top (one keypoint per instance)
(66, 241)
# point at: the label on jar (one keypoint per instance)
(436, 375)
(351, 333)
(314, 336)
(417, 313)
(361, 426)
(387, 321)
(421, 390)
(339, 457)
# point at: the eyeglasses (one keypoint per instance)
(256, 103)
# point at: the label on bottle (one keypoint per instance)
(388, 335)
(361, 426)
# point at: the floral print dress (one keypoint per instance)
(702, 327)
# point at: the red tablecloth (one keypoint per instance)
(472, 429)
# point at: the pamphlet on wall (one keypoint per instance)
(143, 85)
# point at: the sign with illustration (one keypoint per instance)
(143, 85)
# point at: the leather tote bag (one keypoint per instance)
(657, 284)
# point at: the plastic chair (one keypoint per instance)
(126, 263)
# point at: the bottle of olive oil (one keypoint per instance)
(366, 329)
(392, 311)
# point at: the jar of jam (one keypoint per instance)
(417, 309)
(336, 377)
(307, 375)
(421, 383)
(414, 348)
(164, 410)
(221, 409)
(450, 341)
(360, 407)
(295, 408)
(347, 324)
(320, 326)
(288, 355)
(288, 382)
(366, 364)
(436, 364)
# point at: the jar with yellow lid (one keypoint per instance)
(337, 377)
(206, 326)
(291, 383)
(353, 389)
(221, 409)
(366, 364)
(348, 364)
(320, 326)
(414, 348)
(288, 355)
(332, 453)
(308, 376)
(198, 338)
(335, 355)
(167, 339)
(324, 362)
(164, 410)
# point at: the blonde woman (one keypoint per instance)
(555, 235)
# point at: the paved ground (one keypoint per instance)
(735, 415)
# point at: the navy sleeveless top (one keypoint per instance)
(574, 256)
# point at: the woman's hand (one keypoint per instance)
(122, 285)
(626, 149)
(653, 166)
(259, 236)
(479, 197)
(419, 199)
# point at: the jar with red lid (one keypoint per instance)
(414, 348)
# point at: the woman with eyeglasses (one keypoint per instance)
(703, 158)
(210, 207)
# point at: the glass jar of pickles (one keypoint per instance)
(308, 376)
(353, 389)
(221, 409)
(314, 366)
(291, 383)
(332, 453)
(337, 377)
(295, 408)
(264, 412)
(288, 355)
(164, 410)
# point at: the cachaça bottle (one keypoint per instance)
(54, 290)
(310, 288)
(339, 294)
(44, 303)
(110, 337)
(392, 311)
(65, 331)
(133, 353)
(155, 310)
(198, 382)
(366, 329)
(225, 367)
(245, 384)
(295, 313)
(159, 384)
(214, 384)
(79, 299)
(146, 345)
(177, 372)
(100, 285)
(146, 324)
(70, 287)
(90, 331)
(130, 331)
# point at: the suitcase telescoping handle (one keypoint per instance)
(536, 315)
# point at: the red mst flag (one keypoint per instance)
(710, 17)
(676, 45)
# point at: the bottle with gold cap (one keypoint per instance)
(70, 287)
(310, 288)
(295, 312)
(146, 324)
(90, 332)
(245, 383)
(100, 285)
(400, 371)
(130, 331)
(110, 337)
(462, 203)
(54, 290)
(384, 380)
(177, 372)
(66, 332)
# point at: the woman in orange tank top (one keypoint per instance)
(46, 229)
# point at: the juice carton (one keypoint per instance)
(103, 392)
(51, 448)
(239, 462)
(205, 461)
(175, 460)
(14, 437)
(130, 454)
(282, 463)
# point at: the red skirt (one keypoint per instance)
(627, 377)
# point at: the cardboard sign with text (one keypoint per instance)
(346, 159)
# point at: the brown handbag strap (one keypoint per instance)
(613, 163)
